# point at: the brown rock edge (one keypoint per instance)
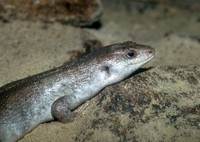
(156, 104)
(75, 12)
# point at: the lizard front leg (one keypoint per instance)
(60, 110)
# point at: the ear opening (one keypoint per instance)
(106, 69)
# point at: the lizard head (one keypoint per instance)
(118, 61)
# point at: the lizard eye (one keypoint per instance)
(131, 54)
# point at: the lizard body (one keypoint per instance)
(54, 94)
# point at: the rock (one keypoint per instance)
(29, 48)
(159, 104)
(78, 13)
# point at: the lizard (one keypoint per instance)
(56, 93)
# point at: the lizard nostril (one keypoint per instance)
(152, 51)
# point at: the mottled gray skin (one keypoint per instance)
(53, 94)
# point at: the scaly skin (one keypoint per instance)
(54, 94)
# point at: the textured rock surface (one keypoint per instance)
(160, 104)
(76, 12)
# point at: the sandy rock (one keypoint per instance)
(157, 104)
(30, 48)
(161, 104)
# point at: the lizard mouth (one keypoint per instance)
(151, 54)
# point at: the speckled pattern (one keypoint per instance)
(161, 104)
